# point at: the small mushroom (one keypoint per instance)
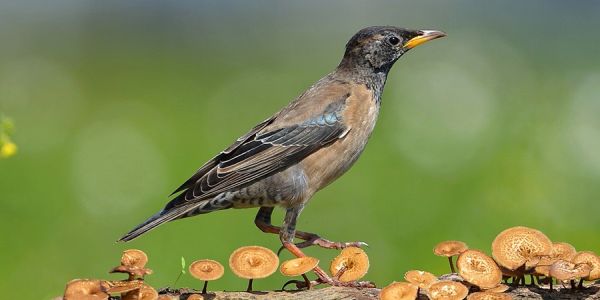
(489, 296)
(590, 258)
(350, 265)
(85, 289)
(479, 269)
(253, 262)
(447, 290)
(520, 246)
(133, 262)
(450, 249)
(121, 286)
(565, 271)
(421, 279)
(560, 250)
(207, 270)
(399, 291)
(299, 267)
(145, 292)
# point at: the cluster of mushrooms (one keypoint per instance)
(249, 262)
(517, 252)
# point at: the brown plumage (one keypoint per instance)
(304, 147)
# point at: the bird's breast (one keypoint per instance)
(327, 164)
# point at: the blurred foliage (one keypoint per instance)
(7, 147)
(117, 102)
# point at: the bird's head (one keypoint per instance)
(378, 47)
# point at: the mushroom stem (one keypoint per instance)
(451, 264)
(551, 282)
(205, 286)
(580, 283)
(306, 281)
(340, 272)
(249, 289)
(572, 284)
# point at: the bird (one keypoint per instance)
(284, 160)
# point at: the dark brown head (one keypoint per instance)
(378, 47)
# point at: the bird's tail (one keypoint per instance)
(152, 222)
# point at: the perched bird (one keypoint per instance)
(286, 159)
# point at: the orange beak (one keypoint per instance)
(424, 36)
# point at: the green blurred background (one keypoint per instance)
(118, 102)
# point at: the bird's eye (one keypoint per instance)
(394, 40)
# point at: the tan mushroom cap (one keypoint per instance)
(422, 279)
(146, 292)
(355, 261)
(520, 246)
(253, 262)
(195, 297)
(121, 286)
(564, 270)
(501, 288)
(134, 258)
(399, 291)
(447, 290)
(560, 250)
(450, 248)
(489, 296)
(298, 266)
(478, 269)
(206, 269)
(590, 258)
(85, 289)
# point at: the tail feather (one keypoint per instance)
(157, 219)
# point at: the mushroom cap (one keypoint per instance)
(489, 296)
(560, 250)
(590, 258)
(450, 248)
(520, 246)
(134, 258)
(422, 279)
(298, 266)
(146, 292)
(136, 271)
(399, 291)
(356, 262)
(121, 286)
(501, 288)
(206, 269)
(253, 262)
(564, 270)
(85, 289)
(195, 297)
(447, 290)
(479, 269)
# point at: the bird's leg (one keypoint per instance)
(263, 222)
(287, 233)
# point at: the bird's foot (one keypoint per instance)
(327, 244)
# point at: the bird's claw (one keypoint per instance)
(325, 243)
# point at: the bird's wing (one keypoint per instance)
(262, 152)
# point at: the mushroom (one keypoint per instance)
(560, 250)
(399, 291)
(253, 262)
(447, 290)
(133, 262)
(479, 269)
(350, 265)
(299, 267)
(121, 286)
(564, 270)
(207, 270)
(590, 258)
(489, 296)
(450, 249)
(421, 279)
(520, 247)
(85, 289)
(145, 292)
(501, 288)
(195, 297)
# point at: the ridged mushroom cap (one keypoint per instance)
(355, 261)
(85, 289)
(253, 262)
(560, 250)
(520, 246)
(564, 270)
(478, 269)
(450, 248)
(447, 290)
(206, 269)
(298, 266)
(422, 279)
(590, 258)
(134, 258)
(399, 291)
